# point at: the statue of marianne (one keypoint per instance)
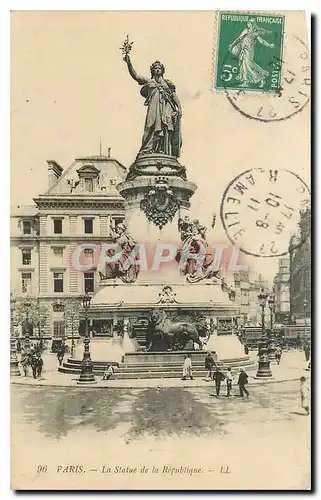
(162, 132)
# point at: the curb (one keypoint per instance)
(156, 385)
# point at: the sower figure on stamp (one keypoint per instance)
(162, 132)
(244, 49)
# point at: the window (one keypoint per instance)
(58, 255)
(26, 283)
(57, 226)
(26, 227)
(59, 328)
(88, 226)
(89, 282)
(117, 221)
(89, 256)
(26, 257)
(58, 282)
(89, 185)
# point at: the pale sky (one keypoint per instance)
(70, 87)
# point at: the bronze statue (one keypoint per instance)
(162, 132)
(172, 335)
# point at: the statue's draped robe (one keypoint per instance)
(162, 131)
(249, 70)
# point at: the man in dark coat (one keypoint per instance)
(306, 348)
(209, 364)
(39, 366)
(34, 365)
(218, 377)
(242, 381)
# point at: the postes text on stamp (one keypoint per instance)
(247, 43)
(260, 210)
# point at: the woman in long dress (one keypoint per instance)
(244, 49)
(162, 132)
(305, 395)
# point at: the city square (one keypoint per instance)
(160, 295)
(124, 426)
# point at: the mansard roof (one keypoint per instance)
(110, 173)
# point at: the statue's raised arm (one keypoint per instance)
(139, 79)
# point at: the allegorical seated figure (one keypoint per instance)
(162, 131)
(125, 266)
(193, 236)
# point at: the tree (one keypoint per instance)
(72, 308)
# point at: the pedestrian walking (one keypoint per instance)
(39, 366)
(34, 365)
(242, 382)
(246, 349)
(305, 395)
(307, 352)
(187, 367)
(218, 377)
(229, 382)
(25, 364)
(60, 354)
(209, 364)
(278, 354)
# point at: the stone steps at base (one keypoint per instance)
(138, 368)
(143, 372)
(149, 375)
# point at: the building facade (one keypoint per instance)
(57, 243)
(248, 285)
(300, 270)
(282, 291)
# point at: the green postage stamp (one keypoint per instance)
(249, 52)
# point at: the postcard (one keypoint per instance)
(160, 297)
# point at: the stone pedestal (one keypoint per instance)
(264, 370)
(157, 193)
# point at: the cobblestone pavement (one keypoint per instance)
(161, 425)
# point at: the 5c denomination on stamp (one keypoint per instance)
(260, 210)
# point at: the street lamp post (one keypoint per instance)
(27, 305)
(305, 303)
(271, 346)
(14, 363)
(264, 370)
(86, 375)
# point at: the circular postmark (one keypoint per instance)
(290, 98)
(261, 210)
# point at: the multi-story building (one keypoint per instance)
(300, 270)
(69, 223)
(282, 291)
(248, 285)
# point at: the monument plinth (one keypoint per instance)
(157, 194)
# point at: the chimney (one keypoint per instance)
(54, 172)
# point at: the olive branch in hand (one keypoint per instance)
(127, 47)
